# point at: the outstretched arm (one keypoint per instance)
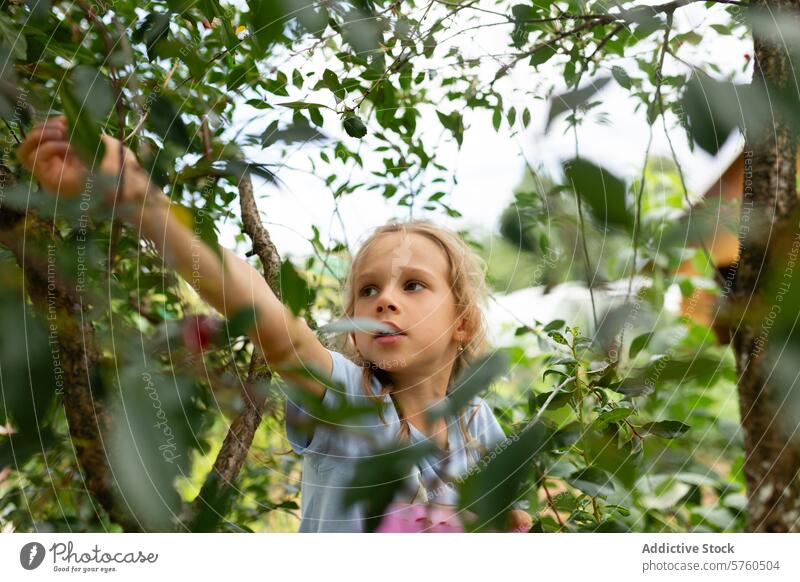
(228, 285)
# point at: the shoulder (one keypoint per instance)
(482, 423)
(349, 375)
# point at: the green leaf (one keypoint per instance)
(181, 6)
(153, 30)
(558, 338)
(702, 368)
(573, 99)
(592, 481)
(300, 105)
(84, 130)
(294, 288)
(722, 29)
(621, 77)
(242, 321)
(40, 9)
(12, 38)
(166, 122)
(639, 343)
(331, 81)
(93, 91)
(524, 12)
(454, 122)
(238, 168)
(601, 190)
(157, 426)
(379, 477)
(713, 110)
(522, 330)
(614, 415)
(554, 325)
(29, 378)
(347, 325)
(311, 16)
(297, 79)
(600, 445)
(340, 414)
(266, 18)
(354, 126)
(18, 448)
(631, 387)
(490, 491)
(543, 54)
(471, 382)
(291, 134)
(511, 116)
(666, 429)
(497, 118)
(236, 77)
(214, 502)
(205, 227)
(559, 400)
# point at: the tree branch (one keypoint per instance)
(220, 482)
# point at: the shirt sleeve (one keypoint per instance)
(302, 438)
(484, 426)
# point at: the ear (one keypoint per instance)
(464, 329)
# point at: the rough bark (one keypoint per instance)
(86, 416)
(240, 435)
(772, 452)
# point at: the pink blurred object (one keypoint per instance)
(200, 331)
(419, 518)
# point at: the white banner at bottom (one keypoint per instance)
(400, 557)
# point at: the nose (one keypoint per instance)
(386, 303)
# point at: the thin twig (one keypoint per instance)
(552, 504)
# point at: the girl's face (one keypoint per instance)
(403, 279)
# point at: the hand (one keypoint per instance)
(55, 163)
(518, 521)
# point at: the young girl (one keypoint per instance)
(417, 278)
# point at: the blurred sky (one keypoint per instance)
(489, 165)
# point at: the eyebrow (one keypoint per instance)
(371, 274)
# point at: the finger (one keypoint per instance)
(36, 137)
(29, 154)
(111, 162)
(46, 152)
(57, 122)
(48, 134)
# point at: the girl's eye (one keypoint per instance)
(415, 283)
(365, 291)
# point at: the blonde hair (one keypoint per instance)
(467, 278)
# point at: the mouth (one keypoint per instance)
(388, 338)
(397, 332)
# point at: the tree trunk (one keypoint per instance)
(86, 416)
(772, 447)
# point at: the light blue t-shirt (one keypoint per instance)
(330, 454)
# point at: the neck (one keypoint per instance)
(414, 395)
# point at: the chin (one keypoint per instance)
(387, 362)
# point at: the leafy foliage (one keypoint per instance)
(377, 93)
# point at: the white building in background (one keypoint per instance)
(568, 301)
